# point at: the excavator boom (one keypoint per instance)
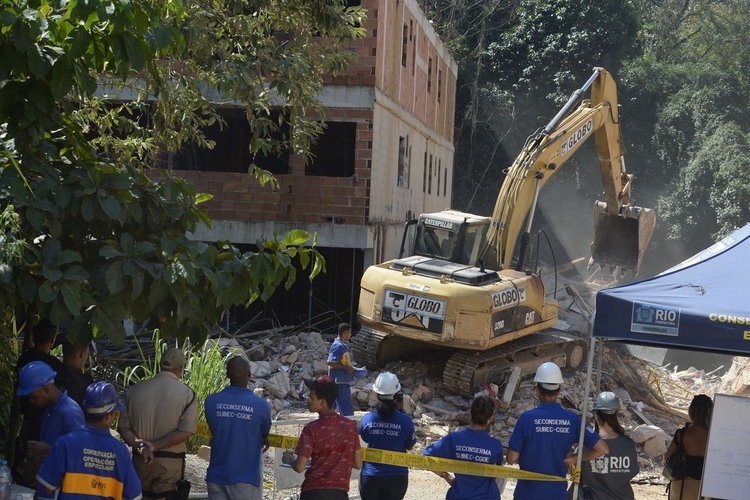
(453, 290)
(622, 230)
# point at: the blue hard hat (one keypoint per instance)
(101, 399)
(34, 376)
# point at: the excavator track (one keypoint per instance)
(374, 349)
(364, 347)
(467, 371)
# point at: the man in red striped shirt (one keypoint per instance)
(332, 442)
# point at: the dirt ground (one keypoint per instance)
(423, 484)
(648, 485)
(654, 396)
(426, 485)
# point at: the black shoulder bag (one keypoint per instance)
(675, 468)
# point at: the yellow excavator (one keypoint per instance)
(456, 285)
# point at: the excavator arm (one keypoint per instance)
(621, 230)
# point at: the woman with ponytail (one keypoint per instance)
(386, 428)
(608, 477)
(472, 444)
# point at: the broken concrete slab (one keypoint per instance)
(278, 384)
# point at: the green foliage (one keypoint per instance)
(104, 241)
(11, 251)
(711, 197)
(686, 141)
(527, 58)
(8, 356)
(698, 31)
(683, 87)
(147, 368)
(205, 373)
(554, 43)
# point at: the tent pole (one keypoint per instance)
(584, 409)
(598, 386)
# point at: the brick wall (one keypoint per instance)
(300, 198)
(413, 112)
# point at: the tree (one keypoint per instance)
(711, 197)
(92, 93)
(526, 70)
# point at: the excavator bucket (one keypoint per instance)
(621, 240)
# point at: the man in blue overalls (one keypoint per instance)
(340, 369)
(90, 462)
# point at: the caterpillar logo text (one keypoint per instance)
(508, 297)
(439, 223)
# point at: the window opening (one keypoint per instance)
(333, 153)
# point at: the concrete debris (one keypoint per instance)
(737, 379)
(256, 353)
(262, 369)
(654, 398)
(657, 445)
(204, 452)
(653, 439)
(422, 393)
(278, 384)
(290, 359)
(643, 433)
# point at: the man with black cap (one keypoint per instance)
(333, 443)
(71, 376)
(544, 436)
(341, 370)
(90, 462)
(161, 414)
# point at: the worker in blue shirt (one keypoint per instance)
(61, 414)
(472, 444)
(341, 369)
(240, 422)
(386, 428)
(90, 462)
(544, 436)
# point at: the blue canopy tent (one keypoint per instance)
(702, 304)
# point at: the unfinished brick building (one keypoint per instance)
(385, 157)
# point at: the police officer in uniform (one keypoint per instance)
(161, 414)
(544, 436)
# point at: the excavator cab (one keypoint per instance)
(621, 240)
(449, 235)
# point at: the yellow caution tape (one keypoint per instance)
(414, 461)
(203, 430)
(575, 474)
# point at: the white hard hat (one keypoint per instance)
(607, 402)
(549, 375)
(386, 384)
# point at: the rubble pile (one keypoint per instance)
(654, 399)
(737, 379)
